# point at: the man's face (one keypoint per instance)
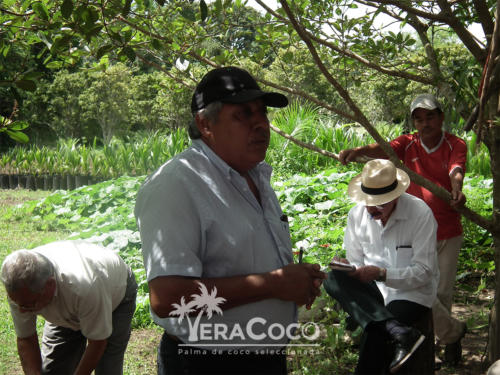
(429, 125)
(27, 301)
(240, 136)
(383, 211)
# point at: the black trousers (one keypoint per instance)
(365, 304)
(177, 359)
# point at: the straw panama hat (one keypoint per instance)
(379, 182)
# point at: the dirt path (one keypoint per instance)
(475, 310)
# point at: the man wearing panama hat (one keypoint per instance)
(391, 239)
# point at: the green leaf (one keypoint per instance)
(126, 8)
(157, 45)
(67, 8)
(129, 52)
(18, 136)
(32, 75)
(41, 10)
(203, 10)
(18, 125)
(54, 65)
(103, 50)
(188, 14)
(26, 84)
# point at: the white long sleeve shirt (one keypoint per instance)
(405, 246)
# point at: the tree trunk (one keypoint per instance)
(494, 147)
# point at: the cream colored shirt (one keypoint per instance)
(91, 283)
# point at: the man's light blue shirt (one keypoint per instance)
(198, 218)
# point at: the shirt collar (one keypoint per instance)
(261, 168)
(431, 150)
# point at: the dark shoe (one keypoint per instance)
(453, 352)
(351, 324)
(405, 346)
(437, 364)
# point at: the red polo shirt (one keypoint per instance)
(435, 165)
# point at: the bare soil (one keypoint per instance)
(474, 309)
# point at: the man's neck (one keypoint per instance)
(433, 142)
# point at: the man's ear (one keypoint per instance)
(204, 126)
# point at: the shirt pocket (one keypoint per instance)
(404, 254)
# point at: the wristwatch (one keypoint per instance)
(382, 274)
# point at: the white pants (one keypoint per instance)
(447, 329)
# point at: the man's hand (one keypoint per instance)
(457, 180)
(348, 155)
(299, 283)
(365, 274)
(457, 199)
(91, 356)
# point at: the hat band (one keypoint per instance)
(379, 191)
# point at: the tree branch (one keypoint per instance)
(304, 144)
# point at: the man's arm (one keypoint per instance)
(457, 180)
(91, 356)
(29, 354)
(299, 283)
(372, 151)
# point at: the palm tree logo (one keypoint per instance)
(205, 302)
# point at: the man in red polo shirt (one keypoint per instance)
(440, 157)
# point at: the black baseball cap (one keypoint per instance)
(232, 85)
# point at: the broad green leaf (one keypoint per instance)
(41, 10)
(18, 125)
(188, 14)
(26, 84)
(54, 65)
(126, 8)
(129, 52)
(18, 136)
(67, 8)
(203, 10)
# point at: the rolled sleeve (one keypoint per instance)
(24, 323)
(170, 242)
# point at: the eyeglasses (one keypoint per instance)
(31, 306)
(381, 206)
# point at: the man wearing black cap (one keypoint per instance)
(440, 157)
(216, 244)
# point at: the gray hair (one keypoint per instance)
(210, 112)
(25, 268)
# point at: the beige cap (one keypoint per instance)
(425, 101)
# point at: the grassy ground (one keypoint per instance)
(140, 358)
